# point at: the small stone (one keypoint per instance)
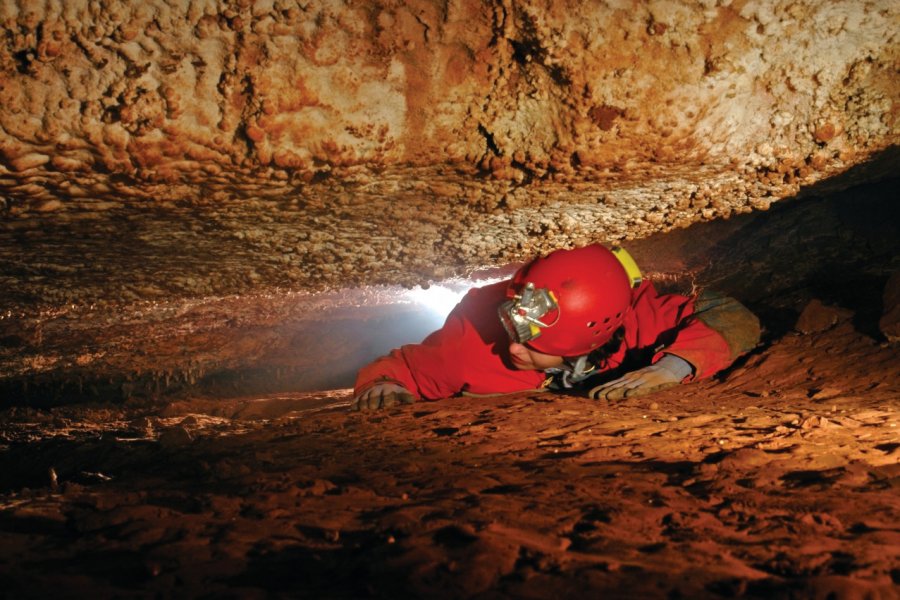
(318, 487)
(333, 536)
(825, 393)
(176, 437)
(825, 133)
(654, 406)
(817, 317)
(814, 422)
(142, 426)
(50, 206)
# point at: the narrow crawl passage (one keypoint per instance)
(839, 248)
(778, 478)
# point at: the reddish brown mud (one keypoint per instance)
(779, 479)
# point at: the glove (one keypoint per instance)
(382, 395)
(668, 371)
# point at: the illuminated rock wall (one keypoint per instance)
(328, 143)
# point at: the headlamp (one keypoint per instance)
(521, 315)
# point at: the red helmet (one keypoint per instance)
(570, 302)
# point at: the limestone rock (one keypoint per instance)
(428, 133)
(817, 317)
(175, 437)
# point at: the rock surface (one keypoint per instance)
(340, 144)
(189, 188)
(820, 317)
(779, 480)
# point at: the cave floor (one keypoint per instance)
(778, 479)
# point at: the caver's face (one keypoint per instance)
(526, 359)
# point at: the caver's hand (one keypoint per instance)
(669, 371)
(382, 395)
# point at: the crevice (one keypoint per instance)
(499, 26)
(24, 60)
(489, 139)
(529, 50)
(426, 27)
(528, 174)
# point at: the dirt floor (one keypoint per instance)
(778, 479)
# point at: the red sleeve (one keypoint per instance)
(665, 323)
(701, 346)
(467, 354)
(390, 368)
(424, 369)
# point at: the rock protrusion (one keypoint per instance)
(817, 316)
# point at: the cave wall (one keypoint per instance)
(197, 148)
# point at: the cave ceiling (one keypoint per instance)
(163, 149)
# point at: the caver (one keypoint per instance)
(581, 319)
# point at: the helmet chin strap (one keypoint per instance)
(575, 370)
(573, 373)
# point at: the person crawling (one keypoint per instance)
(578, 320)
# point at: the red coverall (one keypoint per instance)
(470, 353)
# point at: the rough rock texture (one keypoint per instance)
(778, 480)
(820, 317)
(178, 180)
(330, 143)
